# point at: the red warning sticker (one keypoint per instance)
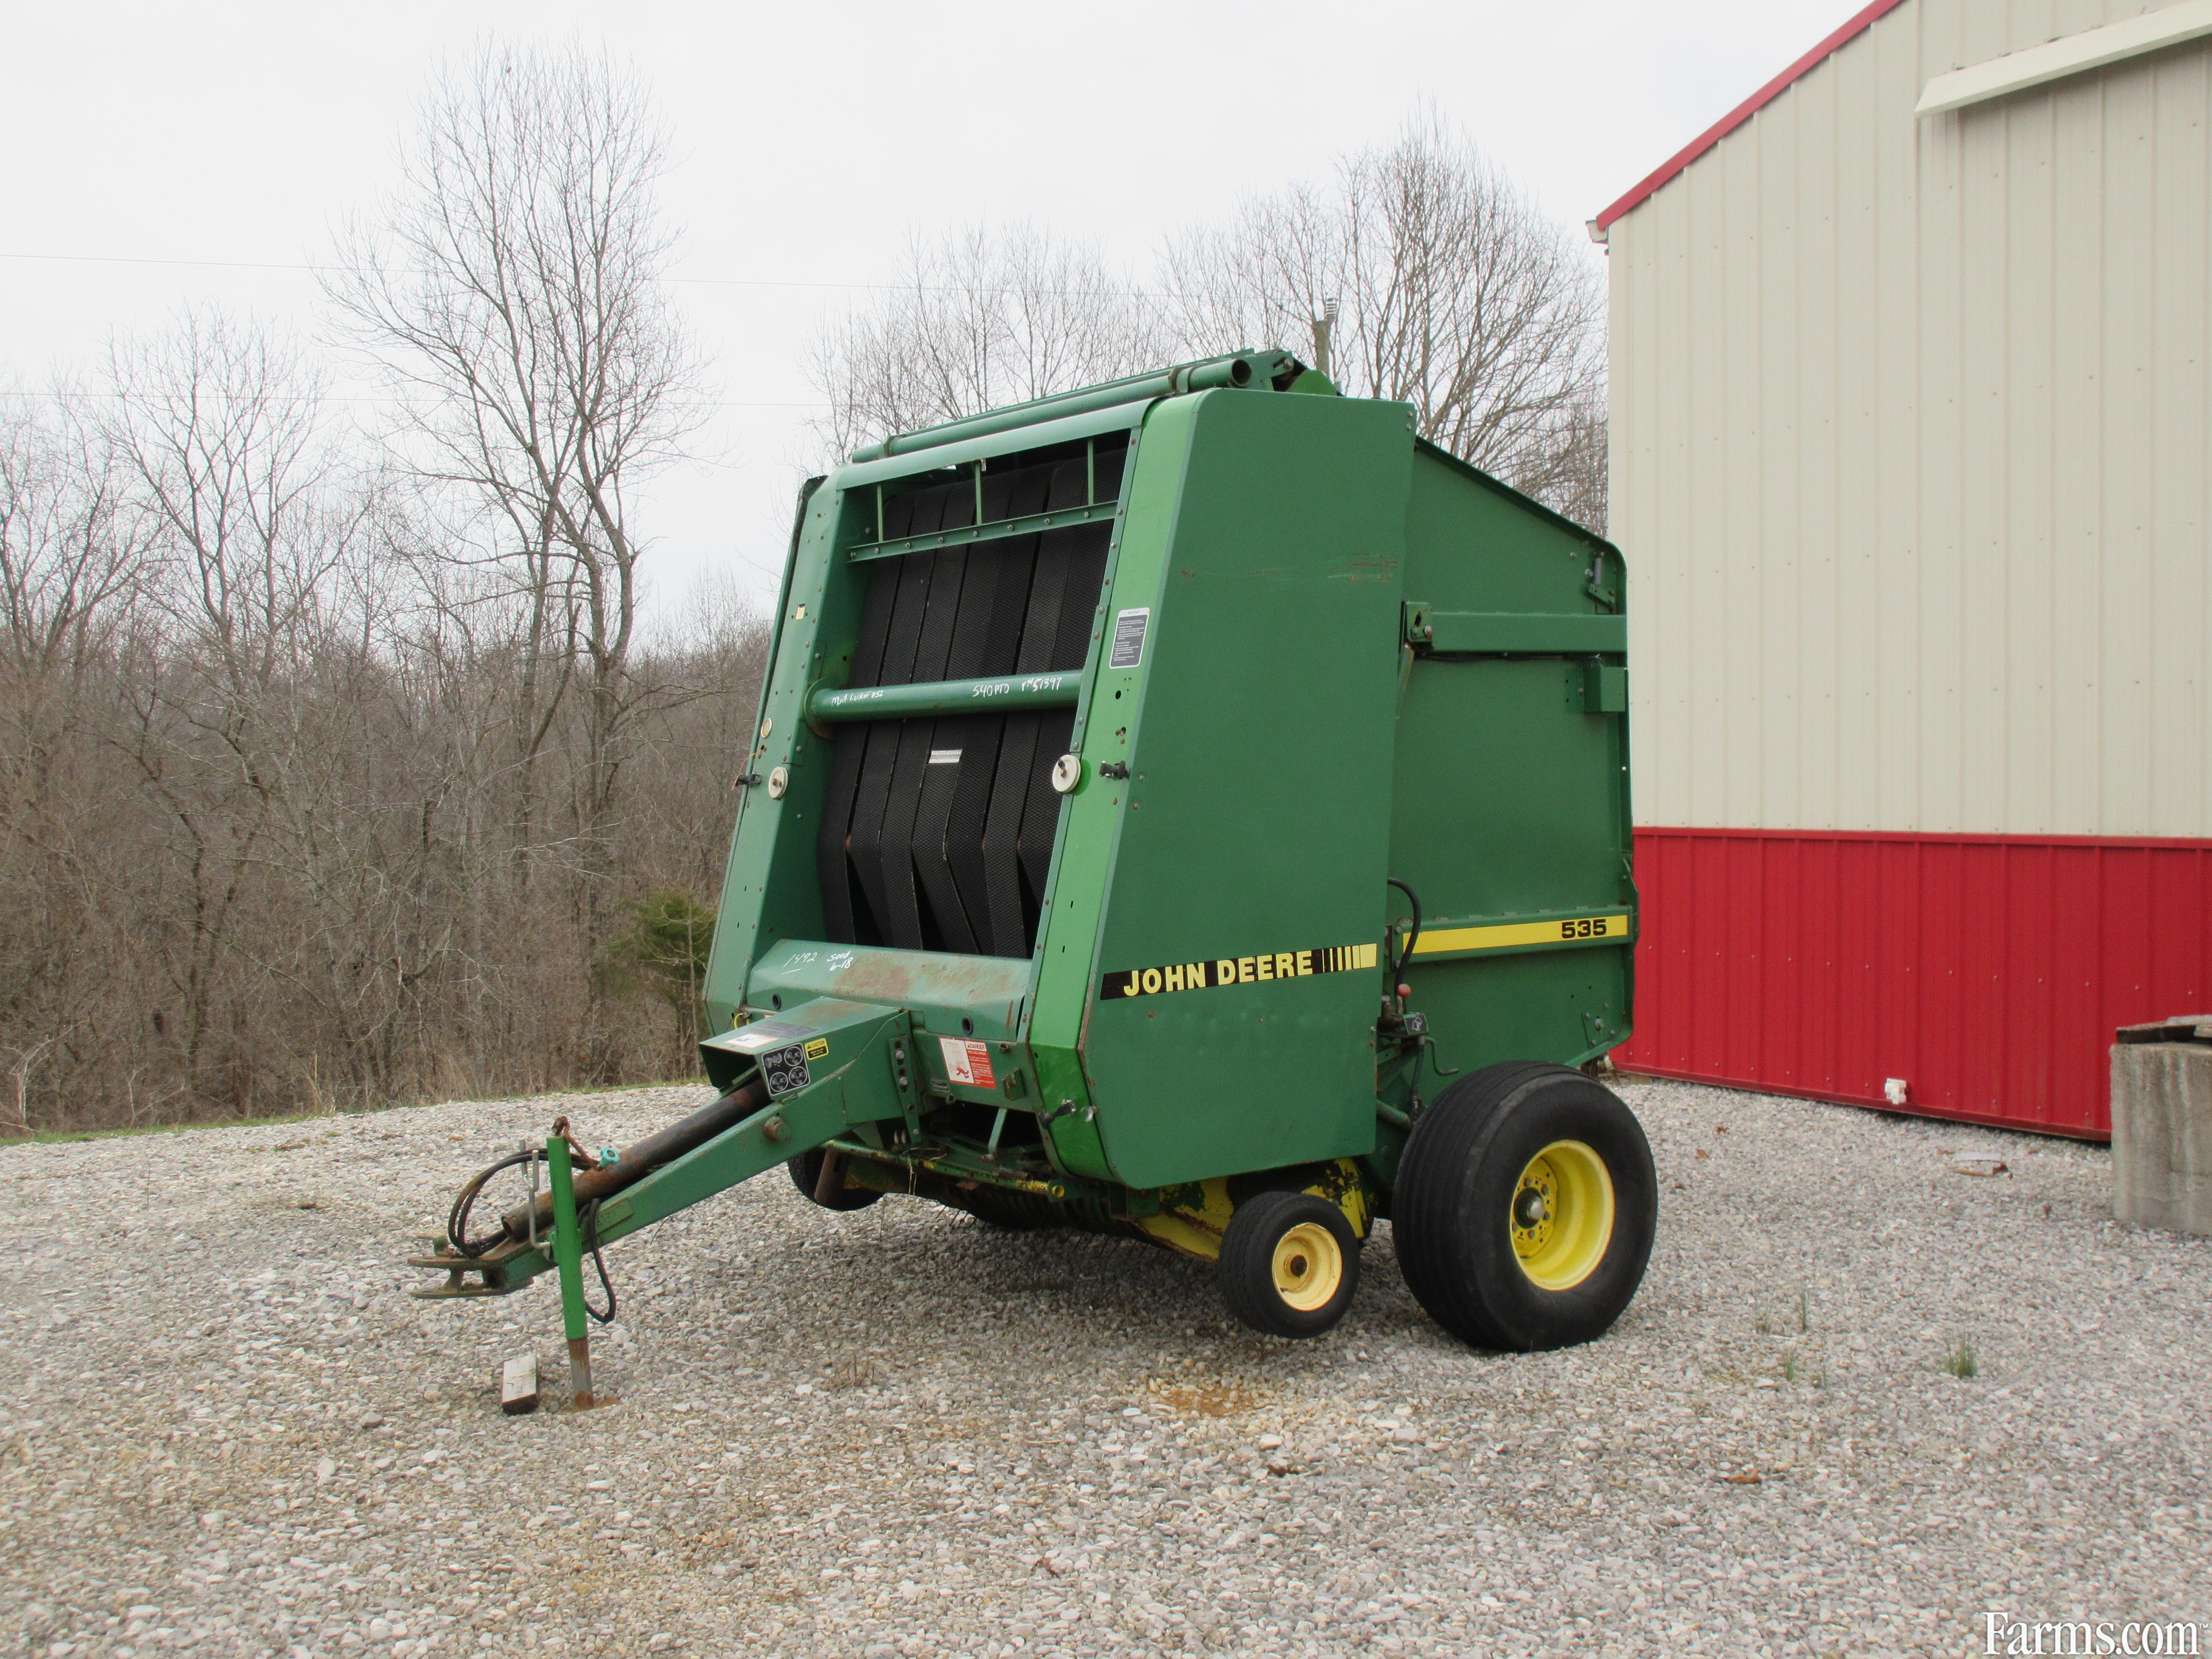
(968, 1061)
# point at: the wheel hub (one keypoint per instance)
(1308, 1266)
(1562, 1215)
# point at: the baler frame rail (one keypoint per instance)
(1029, 524)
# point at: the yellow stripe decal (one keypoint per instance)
(1500, 935)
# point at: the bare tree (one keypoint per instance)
(1457, 296)
(68, 549)
(18, 1121)
(252, 526)
(253, 797)
(511, 290)
(1568, 473)
(72, 560)
(979, 319)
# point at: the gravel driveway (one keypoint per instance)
(900, 1432)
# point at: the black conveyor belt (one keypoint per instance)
(938, 831)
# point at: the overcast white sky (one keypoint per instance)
(810, 139)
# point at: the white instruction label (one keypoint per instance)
(1129, 628)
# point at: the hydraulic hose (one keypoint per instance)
(1397, 972)
(590, 1228)
(456, 1218)
(592, 1183)
(642, 1158)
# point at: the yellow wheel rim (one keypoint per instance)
(1562, 1215)
(1309, 1267)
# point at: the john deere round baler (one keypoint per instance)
(1194, 809)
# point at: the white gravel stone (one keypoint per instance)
(899, 1431)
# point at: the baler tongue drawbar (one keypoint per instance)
(790, 1084)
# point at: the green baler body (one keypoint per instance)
(1327, 653)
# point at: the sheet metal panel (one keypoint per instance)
(1989, 972)
(1912, 427)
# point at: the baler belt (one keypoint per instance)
(1009, 900)
(1075, 620)
(831, 852)
(948, 840)
(881, 738)
(937, 833)
(1041, 813)
(900, 915)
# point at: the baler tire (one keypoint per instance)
(1568, 1148)
(806, 1174)
(1289, 1265)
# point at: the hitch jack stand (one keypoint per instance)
(568, 1254)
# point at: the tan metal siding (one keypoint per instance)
(1911, 430)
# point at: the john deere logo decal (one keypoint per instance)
(1238, 971)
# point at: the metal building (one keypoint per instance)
(1912, 461)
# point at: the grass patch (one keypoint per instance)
(1767, 1324)
(1960, 1361)
(1811, 1369)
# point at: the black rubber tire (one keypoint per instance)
(1457, 1180)
(806, 1172)
(1247, 1266)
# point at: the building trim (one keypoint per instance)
(2071, 54)
(1859, 23)
(1961, 838)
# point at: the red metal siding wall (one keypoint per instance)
(1988, 971)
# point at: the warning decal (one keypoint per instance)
(786, 1070)
(817, 1048)
(968, 1061)
(1239, 971)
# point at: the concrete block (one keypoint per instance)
(2162, 1126)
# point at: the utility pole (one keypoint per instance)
(1324, 326)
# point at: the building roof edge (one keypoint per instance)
(1859, 24)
